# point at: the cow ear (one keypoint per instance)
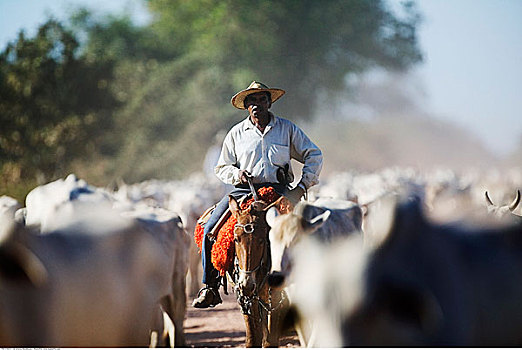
(233, 205)
(315, 222)
(379, 220)
(19, 265)
(271, 215)
(364, 209)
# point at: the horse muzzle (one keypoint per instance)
(246, 283)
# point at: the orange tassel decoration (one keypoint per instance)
(198, 236)
(223, 249)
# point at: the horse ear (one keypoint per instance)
(271, 215)
(233, 205)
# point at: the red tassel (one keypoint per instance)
(198, 236)
(223, 249)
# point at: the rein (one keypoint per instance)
(258, 284)
(246, 301)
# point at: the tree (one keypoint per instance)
(172, 107)
(306, 46)
(55, 106)
(112, 99)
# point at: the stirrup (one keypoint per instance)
(201, 304)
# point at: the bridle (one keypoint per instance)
(249, 229)
(246, 301)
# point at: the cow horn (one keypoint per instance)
(515, 202)
(488, 199)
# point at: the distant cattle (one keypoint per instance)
(43, 202)
(422, 284)
(94, 283)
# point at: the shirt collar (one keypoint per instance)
(247, 123)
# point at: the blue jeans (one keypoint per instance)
(210, 274)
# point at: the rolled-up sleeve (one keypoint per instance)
(306, 152)
(226, 168)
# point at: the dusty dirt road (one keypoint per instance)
(221, 327)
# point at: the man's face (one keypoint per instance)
(258, 105)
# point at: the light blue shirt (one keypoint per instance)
(246, 148)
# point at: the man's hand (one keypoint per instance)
(243, 176)
(294, 195)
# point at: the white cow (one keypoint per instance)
(189, 198)
(43, 203)
(164, 224)
(54, 205)
(94, 283)
(325, 219)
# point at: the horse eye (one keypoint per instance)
(249, 228)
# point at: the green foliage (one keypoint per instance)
(306, 46)
(54, 108)
(108, 99)
(116, 38)
(172, 116)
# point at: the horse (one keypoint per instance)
(261, 306)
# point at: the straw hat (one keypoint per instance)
(238, 99)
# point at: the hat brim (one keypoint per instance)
(239, 98)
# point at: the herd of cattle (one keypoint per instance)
(390, 258)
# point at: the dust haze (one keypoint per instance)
(384, 122)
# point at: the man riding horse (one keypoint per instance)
(258, 149)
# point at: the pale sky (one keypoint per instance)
(473, 66)
(473, 55)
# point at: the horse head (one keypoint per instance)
(251, 244)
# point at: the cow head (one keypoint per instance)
(285, 231)
(501, 211)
